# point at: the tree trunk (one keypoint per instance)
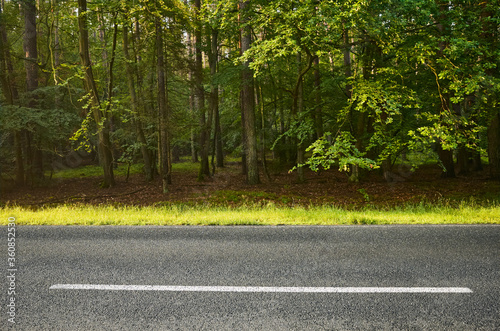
(104, 54)
(283, 147)
(109, 90)
(347, 63)
(214, 88)
(9, 89)
(35, 166)
(30, 45)
(490, 38)
(356, 172)
(56, 56)
(243, 137)
(260, 106)
(445, 156)
(218, 140)
(10, 94)
(105, 152)
(318, 114)
(199, 96)
(215, 96)
(248, 101)
(135, 108)
(477, 164)
(299, 108)
(164, 142)
(193, 139)
(494, 146)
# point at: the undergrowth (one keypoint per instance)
(467, 212)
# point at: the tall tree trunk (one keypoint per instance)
(199, 96)
(109, 88)
(213, 102)
(35, 158)
(146, 109)
(490, 37)
(190, 47)
(243, 137)
(30, 45)
(463, 154)
(164, 142)
(56, 47)
(105, 153)
(263, 133)
(104, 46)
(214, 88)
(8, 85)
(445, 156)
(135, 108)
(298, 107)
(248, 101)
(214, 95)
(192, 110)
(11, 94)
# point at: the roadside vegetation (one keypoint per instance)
(324, 199)
(178, 214)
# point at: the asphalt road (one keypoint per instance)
(278, 257)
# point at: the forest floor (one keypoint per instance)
(228, 188)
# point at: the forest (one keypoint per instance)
(358, 87)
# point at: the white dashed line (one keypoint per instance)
(261, 289)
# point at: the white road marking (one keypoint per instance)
(261, 289)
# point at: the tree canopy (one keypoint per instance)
(357, 85)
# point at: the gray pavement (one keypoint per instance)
(342, 256)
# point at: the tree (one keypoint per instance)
(212, 22)
(199, 95)
(135, 106)
(163, 114)
(248, 100)
(34, 154)
(489, 36)
(100, 118)
(11, 94)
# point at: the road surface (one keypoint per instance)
(255, 278)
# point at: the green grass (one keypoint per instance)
(96, 171)
(250, 215)
(186, 166)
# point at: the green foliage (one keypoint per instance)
(365, 194)
(341, 151)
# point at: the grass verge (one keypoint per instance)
(96, 171)
(249, 215)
